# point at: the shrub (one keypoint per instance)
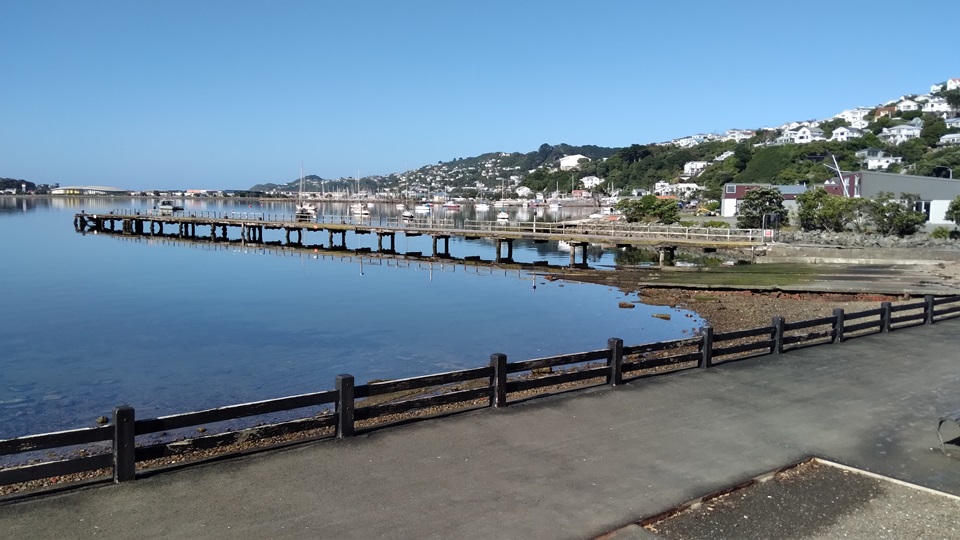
(941, 233)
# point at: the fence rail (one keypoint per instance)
(493, 385)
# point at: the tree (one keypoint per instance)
(758, 202)
(953, 97)
(896, 216)
(933, 130)
(820, 211)
(953, 211)
(650, 209)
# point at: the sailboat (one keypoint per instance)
(304, 211)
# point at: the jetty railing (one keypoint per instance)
(430, 222)
(349, 408)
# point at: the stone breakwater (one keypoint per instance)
(867, 240)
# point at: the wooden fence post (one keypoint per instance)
(706, 347)
(838, 325)
(345, 406)
(124, 447)
(885, 317)
(928, 308)
(498, 397)
(615, 362)
(777, 346)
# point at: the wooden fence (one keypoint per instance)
(348, 407)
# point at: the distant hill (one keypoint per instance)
(14, 183)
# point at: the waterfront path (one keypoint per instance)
(570, 466)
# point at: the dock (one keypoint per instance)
(248, 228)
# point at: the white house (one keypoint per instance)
(937, 105)
(571, 162)
(950, 139)
(908, 105)
(806, 135)
(686, 188)
(953, 84)
(860, 124)
(852, 115)
(875, 158)
(524, 191)
(899, 134)
(591, 182)
(953, 123)
(843, 134)
(662, 188)
(693, 168)
(881, 162)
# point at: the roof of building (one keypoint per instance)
(94, 188)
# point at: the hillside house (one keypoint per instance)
(953, 123)
(880, 112)
(662, 188)
(937, 106)
(844, 134)
(908, 105)
(875, 158)
(953, 84)
(568, 163)
(950, 139)
(808, 134)
(852, 115)
(899, 134)
(723, 156)
(693, 168)
(591, 182)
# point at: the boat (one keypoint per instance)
(304, 211)
(407, 214)
(502, 216)
(359, 209)
(481, 207)
(167, 207)
(422, 208)
(450, 205)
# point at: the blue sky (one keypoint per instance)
(228, 94)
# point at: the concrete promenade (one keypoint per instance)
(570, 466)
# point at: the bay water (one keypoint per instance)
(91, 321)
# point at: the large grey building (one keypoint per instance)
(935, 193)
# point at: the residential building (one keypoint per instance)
(88, 190)
(733, 195)
(880, 112)
(950, 139)
(908, 105)
(860, 124)
(591, 182)
(899, 134)
(935, 193)
(953, 123)
(843, 134)
(662, 188)
(876, 159)
(852, 115)
(693, 168)
(953, 84)
(807, 134)
(571, 162)
(685, 189)
(723, 156)
(937, 105)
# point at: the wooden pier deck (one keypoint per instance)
(248, 227)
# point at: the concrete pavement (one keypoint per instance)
(570, 466)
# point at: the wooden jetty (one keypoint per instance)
(248, 228)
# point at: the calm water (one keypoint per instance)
(92, 321)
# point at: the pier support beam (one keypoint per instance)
(500, 257)
(666, 254)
